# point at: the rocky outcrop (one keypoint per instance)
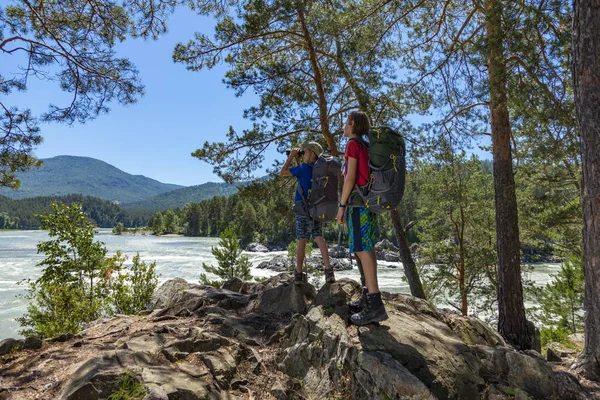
(386, 251)
(274, 339)
(281, 263)
(257, 248)
(338, 252)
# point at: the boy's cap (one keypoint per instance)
(314, 147)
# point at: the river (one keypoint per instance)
(175, 256)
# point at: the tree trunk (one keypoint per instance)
(410, 269)
(512, 324)
(318, 79)
(586, 76)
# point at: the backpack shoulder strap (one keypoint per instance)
(361, 141)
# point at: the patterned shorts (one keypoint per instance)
(303, 228)
(361, 229)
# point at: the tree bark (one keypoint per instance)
(512, 324)
(410, 268)
(586, 77)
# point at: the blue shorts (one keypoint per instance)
(303, 227)
(361, 229)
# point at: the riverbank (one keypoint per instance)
(276, 340)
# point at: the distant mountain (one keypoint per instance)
(180, 197)
(64, 175)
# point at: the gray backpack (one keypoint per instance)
(321, 202)
(387, 165)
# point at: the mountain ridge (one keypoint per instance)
(65, 174)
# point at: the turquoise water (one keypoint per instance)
(175, 256)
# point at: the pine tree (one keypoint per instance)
(231, 264)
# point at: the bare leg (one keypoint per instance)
(362, 273)
(300, 250)
(324, 251)
(369, 266)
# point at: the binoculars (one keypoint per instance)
(300, 152)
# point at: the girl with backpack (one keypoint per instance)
(361, 221)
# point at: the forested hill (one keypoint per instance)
(180, 197)
(64, 175)
(20, 214)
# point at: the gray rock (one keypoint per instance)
(155, 392)
(65, 337)
(279, 263)
(10, 344)
(32, 343)
(278, 391)
(222, 365)
(233, 284)
(281, 296)
(568, 386)
(531, 374)
(338, 252)
(386, 245)
(386, 255)
(167, 293)
(257, 247)
(390, 257)
(195, 297)
(334, 297)
(101, 376)
(472, 331)
(378, 372)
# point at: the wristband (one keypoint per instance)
(341, 205)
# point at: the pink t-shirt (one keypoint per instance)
(356, 150)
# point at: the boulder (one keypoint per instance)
(279, 263)
(338, 252)
(471, 330)
(166, 293)
(193, 297)
(257, 248)
(334, 297)
(386, 245)
(10, 344)
(101, 376)
(552, 355)
(287, 341)
(233, 284)
(32, 343)
(281, 296)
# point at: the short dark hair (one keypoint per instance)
(361, 122)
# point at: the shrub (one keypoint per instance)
(231, 262)
(77, 285)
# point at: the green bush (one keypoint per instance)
(133, 288)
(558, 335)
(79, 283)
(131, 389)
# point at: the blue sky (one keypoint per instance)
(155, 137)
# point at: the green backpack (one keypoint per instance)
(387, 165)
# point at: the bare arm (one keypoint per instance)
(285, 169)
(349, 180)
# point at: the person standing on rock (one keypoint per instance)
(305, 226)
(361, 221)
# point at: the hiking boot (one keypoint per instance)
(356, 306)
(299, 278)
(374, 311)
(329, 276)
